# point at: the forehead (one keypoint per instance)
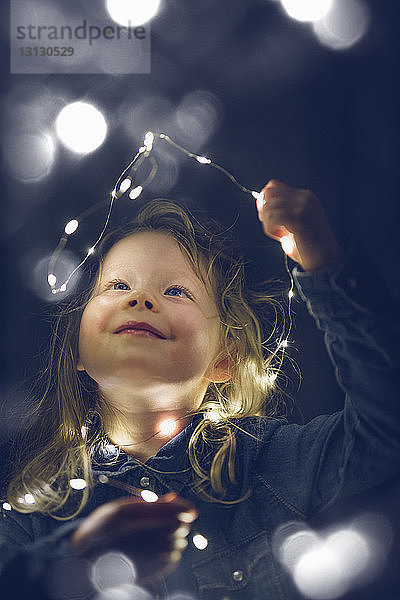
(150, 245)
(154, 250)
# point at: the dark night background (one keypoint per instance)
(244, 84)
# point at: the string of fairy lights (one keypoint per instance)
(126, 184)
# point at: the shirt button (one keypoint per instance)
(351, 283)
(237, 575)
(145, 482)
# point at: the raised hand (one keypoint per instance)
(297, 216)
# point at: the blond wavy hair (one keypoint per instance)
(66, 423)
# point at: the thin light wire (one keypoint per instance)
(128, 175)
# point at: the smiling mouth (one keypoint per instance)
(141, 333)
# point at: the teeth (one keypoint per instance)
(137, 329)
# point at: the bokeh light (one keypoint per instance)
(168, 169)
(126, 591)
(333, 566)
(149, 112)
(307, 10)
(111, 570)
(325, 566)
(197, 117)
(131, 13)
(35, 274)
(81, 127)
(345, 24)
(351, 550)
(318, 574)
(200, 541)
(29, 155)
(296, 545)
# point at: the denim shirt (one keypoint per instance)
(293, 471)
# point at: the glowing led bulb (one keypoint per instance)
(63, 288)
(287, 243)
(77, 484)
(203, 160)
(283, 344)
(149, 496)
(90, 251)
(71, 226)
(29, 499)
(51, 279)
(272, 378)
(291, 293)
(135, 193)
(148, 141)
(167, 427)
(214, 415)
(200, 541)
(259, 196)
(6, 506)
(125, 185)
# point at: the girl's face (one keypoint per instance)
(146, 279)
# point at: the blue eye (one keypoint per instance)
(118, 283)
(180, 289)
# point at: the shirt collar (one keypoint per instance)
(170, 457)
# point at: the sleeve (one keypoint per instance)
(35, 566)
(312, 466)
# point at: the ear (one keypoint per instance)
(221, 372)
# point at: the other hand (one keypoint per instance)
(152, 534)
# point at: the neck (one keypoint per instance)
(143, 434)
(141, 425)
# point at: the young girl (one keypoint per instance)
(161, 383)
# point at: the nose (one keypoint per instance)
(142, 299)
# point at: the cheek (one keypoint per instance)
(93, 321)
(199, 334)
